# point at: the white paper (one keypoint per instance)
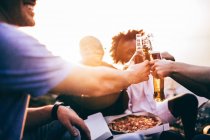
(98, 127)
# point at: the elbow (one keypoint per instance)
(99, 91)
(103, 89)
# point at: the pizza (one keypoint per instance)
(132, 123)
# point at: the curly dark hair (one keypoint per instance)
(121, 37)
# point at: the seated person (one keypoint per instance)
(141, 94)
(29, 69)
(92, 53)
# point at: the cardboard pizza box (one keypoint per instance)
(154, 130)
(99, 129)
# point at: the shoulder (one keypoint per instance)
(16, 42)
(11, 33)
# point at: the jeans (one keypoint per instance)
(52, 131)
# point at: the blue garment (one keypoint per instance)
(52, 131)
(26, 67)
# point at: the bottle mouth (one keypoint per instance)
(155, 55)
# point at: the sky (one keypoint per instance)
(181, 27)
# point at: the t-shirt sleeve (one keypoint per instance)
(27, 67)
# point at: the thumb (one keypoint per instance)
(72, 130)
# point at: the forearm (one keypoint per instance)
(97, 81)
(195, 87)
(199, 74)
(38, 116)
(113, 81)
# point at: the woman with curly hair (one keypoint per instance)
(141, 94)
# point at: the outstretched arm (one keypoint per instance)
(98, 81)
(194, 78)
(195, 87)
(200, 74)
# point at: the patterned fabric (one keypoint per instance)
(203, 118)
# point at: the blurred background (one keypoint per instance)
(181, 27)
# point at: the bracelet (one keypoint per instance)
(55, 109)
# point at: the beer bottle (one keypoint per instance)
(146, 45)
(158, 82)
(138, 55)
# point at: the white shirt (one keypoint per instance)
(141, 100)
(141, 97)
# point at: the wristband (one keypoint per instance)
(55, 109)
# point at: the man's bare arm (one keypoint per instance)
(98, 81)
(194, 78)
(38, 116)
(195, 87)
(67, 117)
(199, 74)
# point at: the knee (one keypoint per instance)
(183, 104)
(190, 100)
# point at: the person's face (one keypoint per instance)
(93, 55)
(20, 12)
(126, 50)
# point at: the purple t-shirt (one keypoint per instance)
(26, 67)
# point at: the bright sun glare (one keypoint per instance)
(61, 24)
